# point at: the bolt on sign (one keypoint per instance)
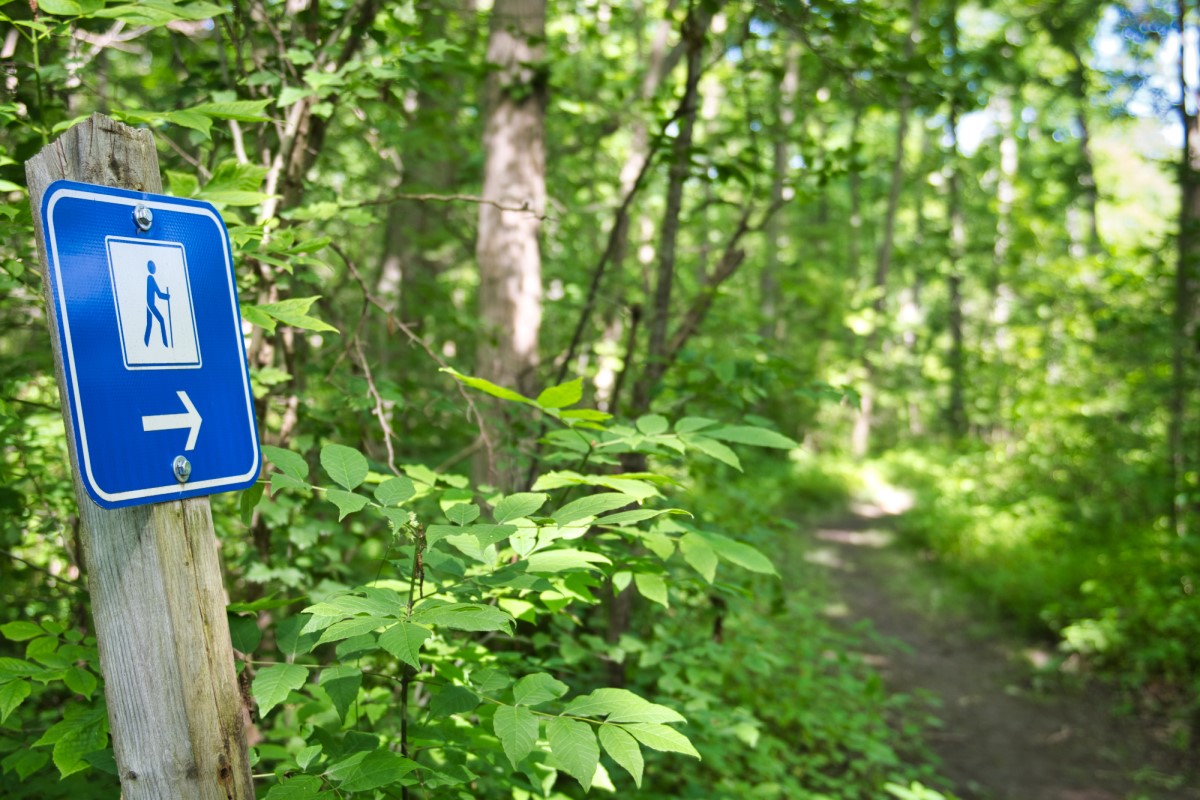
(155, 363)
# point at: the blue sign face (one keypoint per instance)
(152, 344)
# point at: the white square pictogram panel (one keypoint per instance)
(155, 317)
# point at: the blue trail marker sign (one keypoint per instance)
(155, 363)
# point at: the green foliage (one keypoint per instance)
(402, 627)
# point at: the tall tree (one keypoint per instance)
(956, 414)
(514, 194)
(1187, 277)
(860, 439)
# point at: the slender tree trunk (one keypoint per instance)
(1001, 294)
(1087, 173)
(855, 181)
(956, 415)
(510, 266)
(769, 280)
(860, 442)
(694, 29)
(1187, 276)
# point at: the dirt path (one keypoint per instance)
(1000, 740)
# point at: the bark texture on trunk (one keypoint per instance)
(510, 265)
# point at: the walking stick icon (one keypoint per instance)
(170, 323)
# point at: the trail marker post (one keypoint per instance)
(158, 600)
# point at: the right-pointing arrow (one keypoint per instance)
(170, 422)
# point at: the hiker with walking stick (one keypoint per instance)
(152, 312)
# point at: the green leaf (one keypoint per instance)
(462, 513)
(347, 502)
(25, 762)
(517, 729)
(652, 587)
(563, 395)
(16, 668)
(631, 516)
(377, 602)
(538, 688)
(103, 760)
(565, 559)
(341, 684)
(235, 184)
(518, 506)
(240, 110)
(293, 94)
(60, 7)
(248, 500)
(746, 434)
(692, 424)
(80, 681)
(256, 316)
(453, 700)
(287, 462)
(294, 312)
(395, 491)
(620, 705)
(574, 747)
(740, 553)
(624, 750)
(714, 449)
(662, 738)
(12, 694)
(281, 481)
(490, 388)
(403, 640)
(699, 555)
(273, 684)
(365, 771)
(306, 755)
(83, 730)
(585, 415)
(299, 787)
(592, 506)
(653, 424)
(346, 628)
(21, 631)
(345, 465)
(464, 617)
(183, 184)
(190, 119)
(490, 680)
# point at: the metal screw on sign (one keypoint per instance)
(183, 469)
(143, 216)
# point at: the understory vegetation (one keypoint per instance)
(566, 320)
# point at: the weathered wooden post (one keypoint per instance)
(158, 600)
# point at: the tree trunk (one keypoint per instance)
(769, 280)
(694, 29)
(956, 415)
(1087, 173)
(510, 266)
(860, 442)
(1185, 320)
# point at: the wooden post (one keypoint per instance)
(158, 601)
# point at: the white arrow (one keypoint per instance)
(170, 422)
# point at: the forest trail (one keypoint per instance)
(1000, 739)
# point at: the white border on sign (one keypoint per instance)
(69, 353)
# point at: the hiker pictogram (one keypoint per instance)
(152, 312)
(156, 317)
